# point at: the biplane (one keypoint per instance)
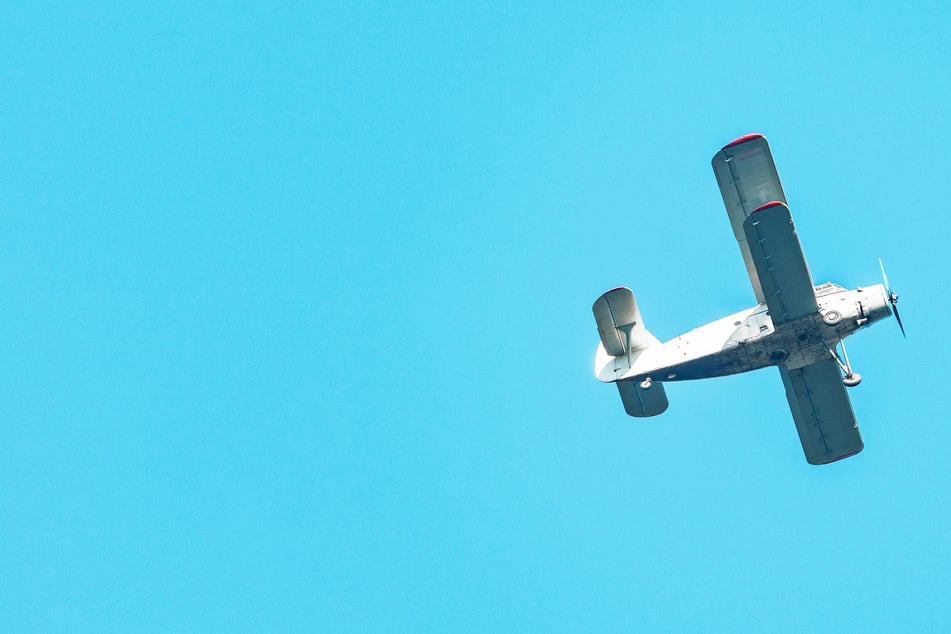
(796, 325)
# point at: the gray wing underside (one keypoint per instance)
(780, 277)
(781, 268)
(822, 411)
(747, 177)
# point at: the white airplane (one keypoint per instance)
(795, 325)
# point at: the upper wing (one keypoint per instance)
(780, 265)
(822, 411)
(747, 178)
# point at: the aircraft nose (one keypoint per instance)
(879, 308)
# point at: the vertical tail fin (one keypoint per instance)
(620, 325)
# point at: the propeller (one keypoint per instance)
(892, 297)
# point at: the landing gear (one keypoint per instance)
(646, 384)
(851, 379)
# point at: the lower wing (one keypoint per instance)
(822, 411)
(780, 264)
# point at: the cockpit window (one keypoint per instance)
(828, 288)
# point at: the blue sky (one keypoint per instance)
(297, 332)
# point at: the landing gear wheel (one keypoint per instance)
(646, 384)
(851, 380)
(832, 317)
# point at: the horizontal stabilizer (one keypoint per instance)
(642, 403)
(619, 323)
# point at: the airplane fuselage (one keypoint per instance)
(796, 326)
(748, 340)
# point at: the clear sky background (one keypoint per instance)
(295, 310)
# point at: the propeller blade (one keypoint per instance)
(898, 318)
(884, 277)
(892, 298)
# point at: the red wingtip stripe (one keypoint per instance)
(772, 203)
(744, 139)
